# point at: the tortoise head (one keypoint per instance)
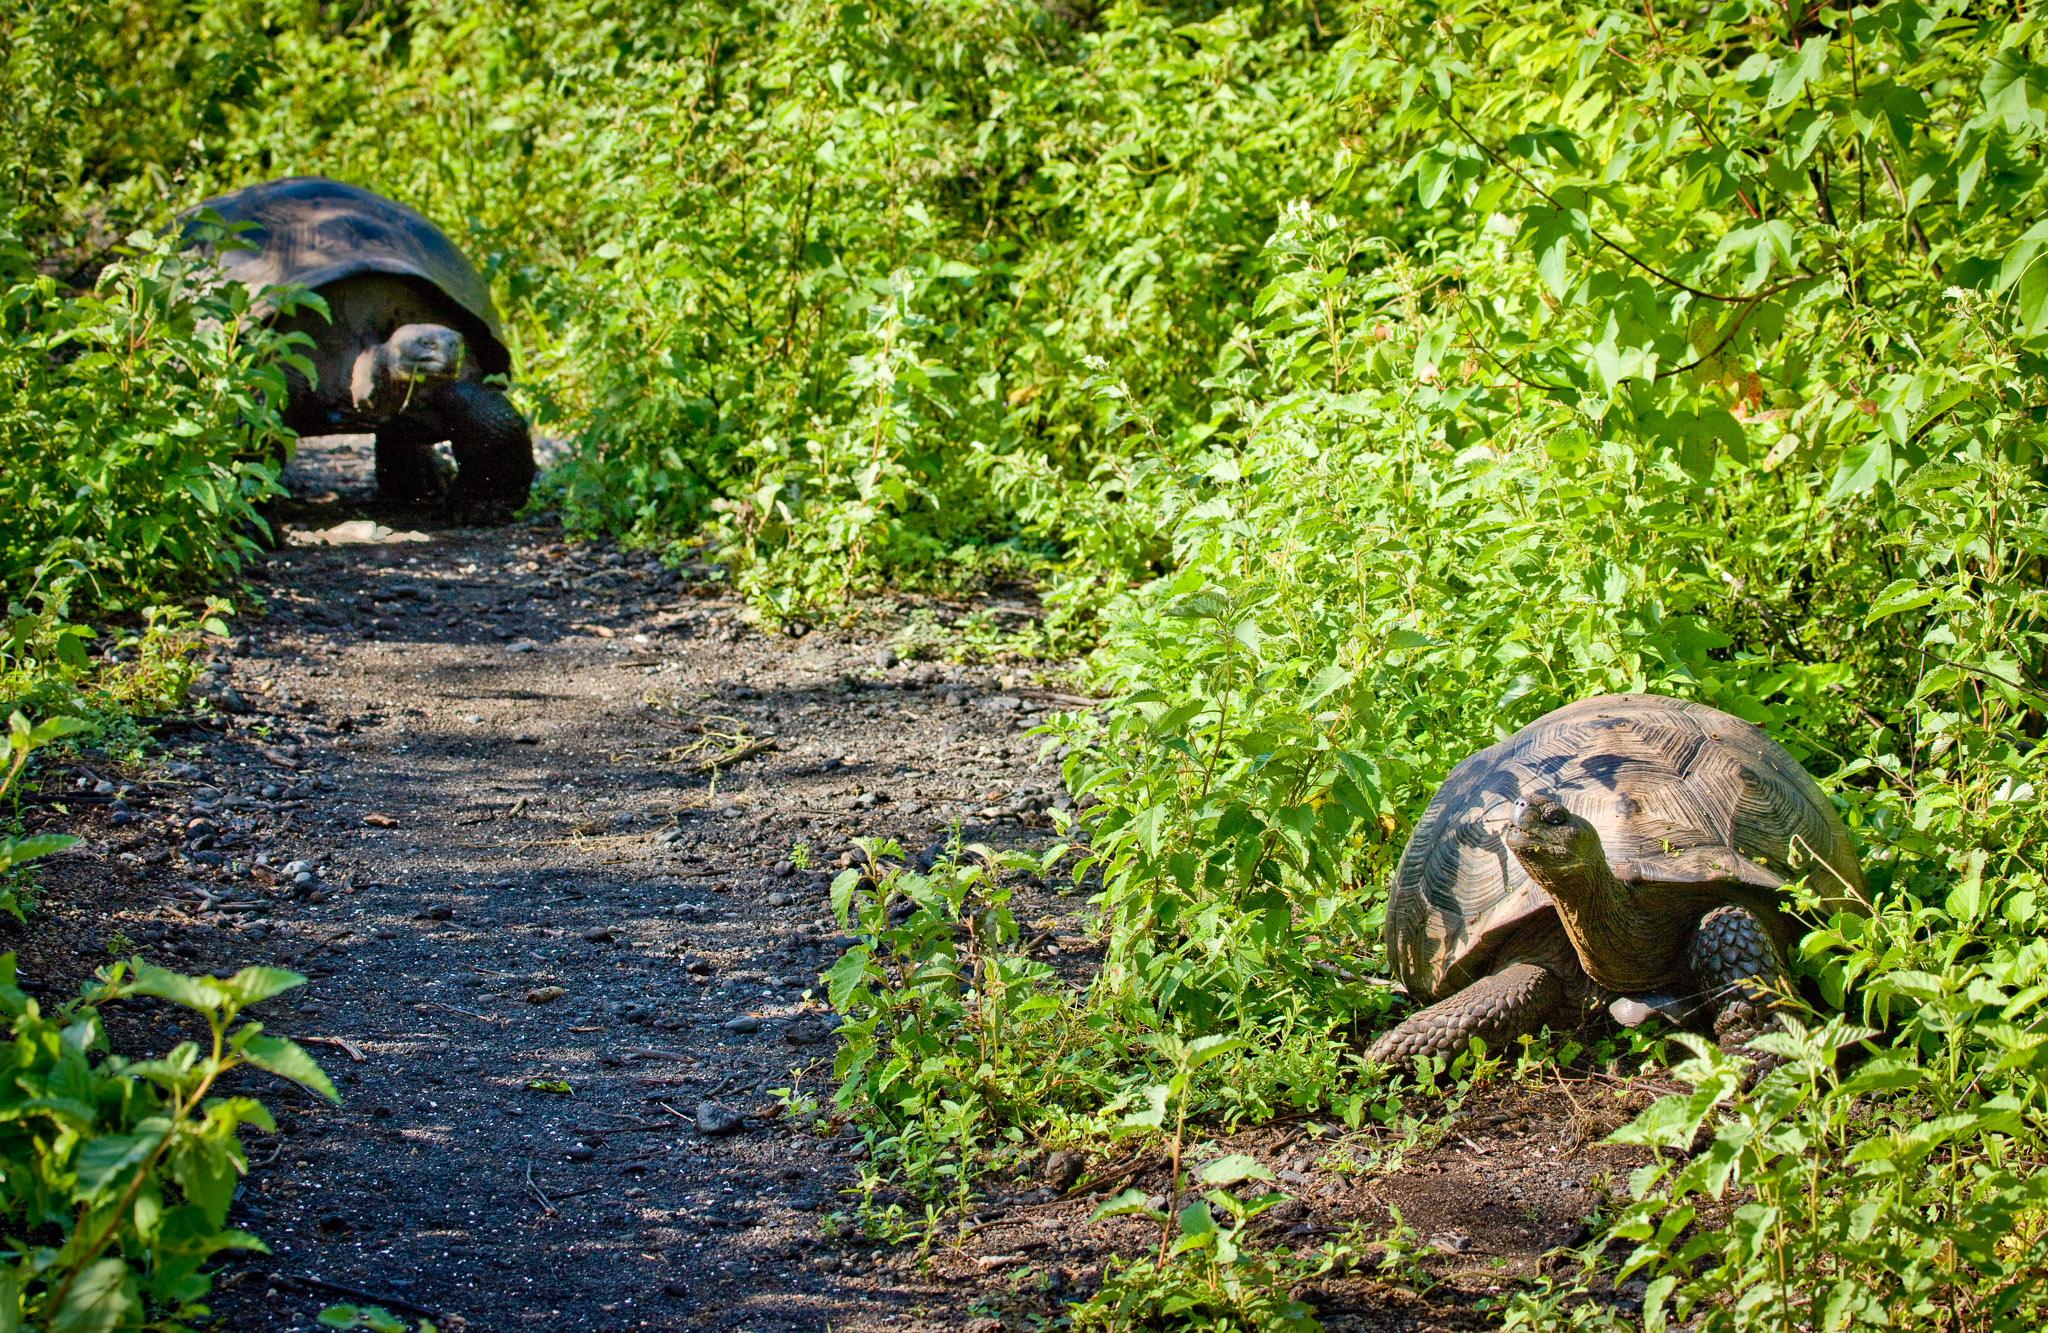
(1556, 846)
(419, 352)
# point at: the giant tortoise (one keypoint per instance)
(412, 334)
(1629, 847)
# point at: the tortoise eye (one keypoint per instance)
(1557, 814)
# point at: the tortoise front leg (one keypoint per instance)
(1735, 962)
(493, 445)
(1496, 1009)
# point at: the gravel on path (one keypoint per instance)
(557, 969)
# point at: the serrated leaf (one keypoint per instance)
(102, 1297)
(1324, 683)
(287, 1059)
(1125, 1204)
(1901, 596)
(253, 985)
(1233, 1168)
(845, 977)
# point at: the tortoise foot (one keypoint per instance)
(1496, 1009)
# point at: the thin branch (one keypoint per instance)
(1601, 237)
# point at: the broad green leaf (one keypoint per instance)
(1230, 1169)
(102, 1298)
(1901, 596)
(253, 985)
(200, 993)
(1125, 1204)
(288, 1059)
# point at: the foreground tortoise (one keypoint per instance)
(1628, 847)
(411, 337)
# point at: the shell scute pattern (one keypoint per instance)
(312, 231)
(1658, 778)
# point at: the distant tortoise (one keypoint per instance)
(413, 333)
(1629, 847)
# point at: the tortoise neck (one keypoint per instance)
(1626, 936)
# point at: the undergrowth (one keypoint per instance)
(1361, 383)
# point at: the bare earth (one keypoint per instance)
(484, 747)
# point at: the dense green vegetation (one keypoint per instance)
(1359, 383)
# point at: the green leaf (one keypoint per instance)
(1233, 1168)
(200, 993)
(1324, 683)
(1148, 827)
(846, 976)
(1901, 596)
(1795, 72)
(104, 1162)
(1206, 1050)
(102, 1298)
(252, 985)
(287, 1059)
(1128, 1203)
(20, 851)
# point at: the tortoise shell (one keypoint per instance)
(311, 231)
(1679, 793)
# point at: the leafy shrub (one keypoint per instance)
(1685, 396)
(140, 424)
(118, 1173)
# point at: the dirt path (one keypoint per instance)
(458, 790)
(557, 971)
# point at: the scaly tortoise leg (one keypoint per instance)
(1496, 1009)
(405, 461)
(1735, 961)
(493, 445)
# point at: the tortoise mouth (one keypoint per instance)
(1544, 830)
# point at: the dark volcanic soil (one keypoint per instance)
(454, 781)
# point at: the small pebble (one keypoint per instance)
(742, 1024)
(440, 912)
(1063, 1169)
(714, 1120)
(521, 646)
(598, 935)
(780, 900)
(544, 994)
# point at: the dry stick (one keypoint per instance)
(355, 1052)
(538, 1193)
(1860, 897)
(737, 756)
(656, 1053)
(358, 1294)
(622, 1129)
(467, 1013)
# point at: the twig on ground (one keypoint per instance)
(552, 1211)
(358, 1294)
(353, 1051)
(740, 755)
